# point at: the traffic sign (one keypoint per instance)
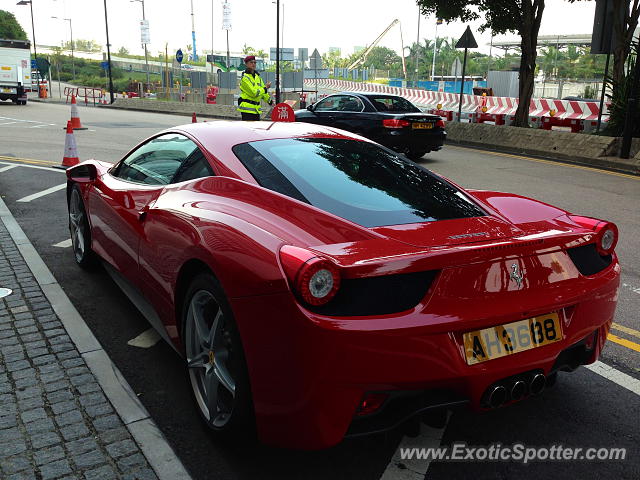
(467, 40)
(286, 54)
(283, 112)
(315, 61)
(179, 56)
(104, 65)
(33, 63)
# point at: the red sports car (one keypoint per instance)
(320, 285)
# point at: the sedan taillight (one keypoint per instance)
(315, 279)
(606, 233)
(440, 124)
(395, 123)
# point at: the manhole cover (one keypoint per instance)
(5, 292)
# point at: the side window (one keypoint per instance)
(329, 104)
(157, 161)
(195, 166)
(349, 103)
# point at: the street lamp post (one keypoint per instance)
(435, 51)
(33, 30)
(278, 51)
(146, 55)
(73, 63)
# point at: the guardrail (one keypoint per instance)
(85, 94)
(543, 113)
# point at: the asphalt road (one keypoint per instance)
(582, 410)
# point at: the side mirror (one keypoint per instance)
(310, 108)
(83, 173)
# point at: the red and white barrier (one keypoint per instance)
(543, 113)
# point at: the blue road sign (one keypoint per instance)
(179, 56)
(104, 65)
(34, 64)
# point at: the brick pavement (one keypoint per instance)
(55, 421)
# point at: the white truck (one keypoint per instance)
(15, 70)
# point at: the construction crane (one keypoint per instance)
(366, 52)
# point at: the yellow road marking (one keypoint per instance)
(549, 162)
(28, 160)
(624, 342)
(624, 329)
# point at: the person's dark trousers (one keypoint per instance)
(250, 117)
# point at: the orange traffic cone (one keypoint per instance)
(75, 118)
(193, 118)
(70, 158)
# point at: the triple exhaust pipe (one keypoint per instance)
(514, 390)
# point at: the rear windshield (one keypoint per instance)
(392, 104)
(359, 181)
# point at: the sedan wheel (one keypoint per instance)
(215, 359)
(79, 229)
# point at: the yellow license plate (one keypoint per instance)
(7, 90)
(422, 125)
(502, 340)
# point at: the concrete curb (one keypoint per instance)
(152, 443)
(630, 166)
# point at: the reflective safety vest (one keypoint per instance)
(252, 90)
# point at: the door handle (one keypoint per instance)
(142, 214)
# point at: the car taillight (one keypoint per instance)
(440, 124)
(395, 123)
(606, 233)
(315, 279)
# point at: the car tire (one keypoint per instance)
(216, 360)
(80, 230)
(416, 154)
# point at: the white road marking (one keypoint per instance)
(64, 244)
(616, 376)
(8, 167)
(146, 339)
(414, 469)
(7, 123)
(34, 196)
(51, 169)
(632, 288)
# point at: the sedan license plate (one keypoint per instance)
(502, 340)
(417, 125)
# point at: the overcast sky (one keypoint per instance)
(307, 23)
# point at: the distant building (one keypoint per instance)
(334, 50)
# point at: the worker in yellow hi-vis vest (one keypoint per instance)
(252, 90)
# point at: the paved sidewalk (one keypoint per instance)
(55, 420)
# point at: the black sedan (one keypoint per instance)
(390, 120)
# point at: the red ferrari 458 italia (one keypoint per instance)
(320, 285)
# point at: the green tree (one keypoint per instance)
(10, 28)
(500, 16)
(122, 51)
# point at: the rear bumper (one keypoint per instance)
(309, 373)
(403, 140)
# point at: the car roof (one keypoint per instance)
(366, 94)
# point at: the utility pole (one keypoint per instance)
(73, 63)
(193, 34)
(417, 49)
(146, 54)
(106, 23)
(35, 52)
